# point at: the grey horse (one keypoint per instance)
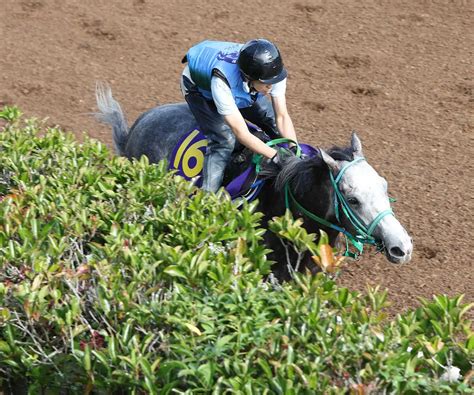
(310, 180)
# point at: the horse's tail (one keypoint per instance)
(111, 113)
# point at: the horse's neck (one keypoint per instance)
(321, 199)
(328, 212)
(318, 200)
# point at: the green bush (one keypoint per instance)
(117, 277)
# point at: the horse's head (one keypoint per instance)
(363, 201)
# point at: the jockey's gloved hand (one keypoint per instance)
(274, 161)
(278, 158)
(294, 149)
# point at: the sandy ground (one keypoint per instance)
(399, 72)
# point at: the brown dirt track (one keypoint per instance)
(399, 72)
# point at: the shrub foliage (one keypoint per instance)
(117, 277)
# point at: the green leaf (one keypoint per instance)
(193, 328)
(146, 367)
(112, 347)
(343, 296)
(4, 347)
(174, 271)
(167, 367)
(465, 309)
(323, 239)
(87, 358)
(101, 357)
(265, 367)
(206, 373)
(222, 341)
(438, 329)
(10, 114)
(470, 343)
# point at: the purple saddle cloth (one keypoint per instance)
(235, 188)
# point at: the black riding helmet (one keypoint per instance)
(260, 60)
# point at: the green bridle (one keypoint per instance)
(339, 200)
(363, 232)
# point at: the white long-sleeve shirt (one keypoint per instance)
(222, 94)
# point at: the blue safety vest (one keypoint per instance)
(208, 56)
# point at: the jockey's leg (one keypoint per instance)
(219, 150)
(261, 114)
(220, 138)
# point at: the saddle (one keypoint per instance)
(187, 160)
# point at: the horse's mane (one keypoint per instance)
(302, 173)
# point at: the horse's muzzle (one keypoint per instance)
(399, 254)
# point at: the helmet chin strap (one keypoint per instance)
(251, 87)
(245, 77)
(253, 92)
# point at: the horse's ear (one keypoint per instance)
(330, 161)
(356, 145)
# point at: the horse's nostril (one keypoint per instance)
(397, 252)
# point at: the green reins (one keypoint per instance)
(257, 159)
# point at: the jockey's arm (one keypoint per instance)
(282, 118)
(241, 131)
(227, 107)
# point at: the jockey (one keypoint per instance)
(224, 82)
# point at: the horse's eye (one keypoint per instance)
(353, 201)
